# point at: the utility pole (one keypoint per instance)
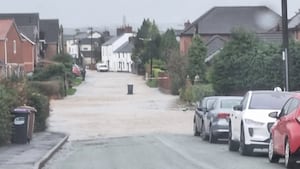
(79, 53)
(91, 28)
(285, 42)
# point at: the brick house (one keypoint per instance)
(27, 24)
(15, 47)
(49, 37)
(216, 25)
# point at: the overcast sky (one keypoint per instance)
(80, 13)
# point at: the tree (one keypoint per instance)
(177, 66)
(294, 66)
(146, 42)
(245, 63)
(196, 57)
(168, 44)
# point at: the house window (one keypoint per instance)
(15, 46)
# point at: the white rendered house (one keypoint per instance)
(116, 53)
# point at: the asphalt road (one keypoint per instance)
(147, 130)
(159, 151)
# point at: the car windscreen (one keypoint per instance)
(229, 103)
(268, 100)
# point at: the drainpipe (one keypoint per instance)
(5, 56)
(5, 51)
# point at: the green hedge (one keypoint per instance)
(196, 92)
(8, 99)
(42, 105)
(52, 89)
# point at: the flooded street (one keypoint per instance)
(112, 130)
(101, 108)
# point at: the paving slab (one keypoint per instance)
(33, 155)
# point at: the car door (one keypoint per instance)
(281, 130)
(206, 116)
(236, 117)
(199, 113)
(209, 115)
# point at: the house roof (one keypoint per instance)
(29, 31)
(87, 41)
(222, 20)
(125, 48)
(215, 44)
(111, 41)
(50, 29)
(22, 19)
(5, 27)
(294, 21)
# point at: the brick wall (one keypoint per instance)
(51, 51)
(164, 84)
(28, 51)
(185, 43)
(2, 52)
(14, 56)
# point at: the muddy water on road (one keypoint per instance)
(102, 108)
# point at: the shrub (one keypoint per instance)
(53, 70)
(196, 92)
(54, 88)
(41, 103)
(8, 100)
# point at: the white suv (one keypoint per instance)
(249, 124)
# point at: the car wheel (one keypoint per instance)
(273, 157)
(211, 138)
(195, 129)
(244, 149)
(232, 145)
(288, 159)
(203, 134)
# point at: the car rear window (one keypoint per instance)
(269, 100)
(229, 103)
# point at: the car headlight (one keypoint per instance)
(253, 122)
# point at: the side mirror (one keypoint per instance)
(199, 108)
(274, 115)
(238, 108)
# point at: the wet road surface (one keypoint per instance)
(147, 130)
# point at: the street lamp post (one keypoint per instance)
(148, 40)
(285, 42)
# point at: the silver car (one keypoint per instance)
(215, 120)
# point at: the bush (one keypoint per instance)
(53, 70)
(8, 100)
(51, 89)
(196, 92)
(42, 104)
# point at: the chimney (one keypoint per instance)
(187, 24)
(125, 29)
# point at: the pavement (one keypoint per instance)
(34, 155)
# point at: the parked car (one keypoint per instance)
(101, 67)
(202, 107)
(215, 120)
(249, 123)
(76, 70)
(285, 133)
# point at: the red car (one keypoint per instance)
(285, 133)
